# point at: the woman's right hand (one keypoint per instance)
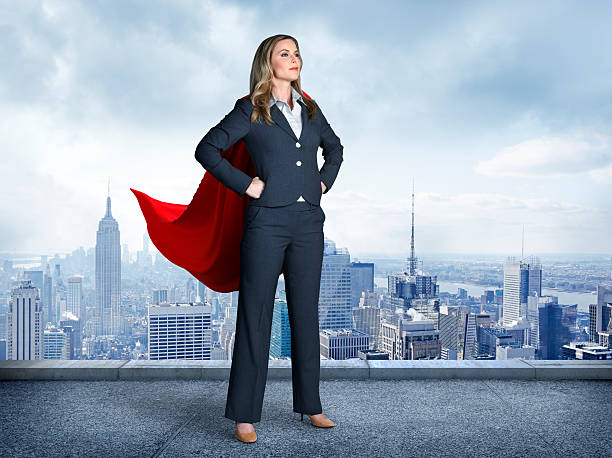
(255, 188)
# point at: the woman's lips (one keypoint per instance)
(293, 68)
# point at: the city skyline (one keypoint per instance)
(146, 245)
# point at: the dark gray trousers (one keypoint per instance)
(290, 237)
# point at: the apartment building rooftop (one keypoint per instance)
(382, 408)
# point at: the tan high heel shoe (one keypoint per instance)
(326, 423)
(246, 437)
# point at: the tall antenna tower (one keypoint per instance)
(412, 261)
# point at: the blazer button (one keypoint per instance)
(298, 163)
(298, 144)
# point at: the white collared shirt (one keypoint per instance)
(294, 117)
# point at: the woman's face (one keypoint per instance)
(286, 61)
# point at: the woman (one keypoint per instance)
(283, 227)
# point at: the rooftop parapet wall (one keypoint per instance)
(330, 369)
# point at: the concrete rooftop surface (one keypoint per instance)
(501, 415)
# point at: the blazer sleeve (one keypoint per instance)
(233, 127)
(332, 153)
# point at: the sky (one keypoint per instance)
(500, 113)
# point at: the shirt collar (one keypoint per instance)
(294, 93)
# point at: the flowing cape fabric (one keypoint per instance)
(204, 236)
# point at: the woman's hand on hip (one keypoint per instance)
(323, 187)
(255, 188)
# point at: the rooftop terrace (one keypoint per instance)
(382, 408)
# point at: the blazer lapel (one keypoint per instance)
(305, 120)
(282, 122)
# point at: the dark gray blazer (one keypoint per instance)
(286, 164)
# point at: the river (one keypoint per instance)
(567, 298)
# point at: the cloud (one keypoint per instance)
(603, 175)
(550, 156)
(91, 91)
(461, 223)
(87, 60)
(41, 214)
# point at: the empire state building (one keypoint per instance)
(108, 274)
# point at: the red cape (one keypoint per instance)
(204, 236)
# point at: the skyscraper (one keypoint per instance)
(367, 319)
(47, 294)
(25, 323)
(335, 311)
(108, 274)
(410, 339)
(280, 334)
(521, 279)
(600, 315)
(556, 328)
(74, 297)
(534, 284)
(514, 281)
(362, 279)
(57, 344)
(533, 317)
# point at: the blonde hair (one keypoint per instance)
(261, 80)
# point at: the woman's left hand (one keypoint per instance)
(323, 187)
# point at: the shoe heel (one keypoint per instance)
(302, 419)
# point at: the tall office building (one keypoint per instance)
(522, 278)
(367, 320)
(534, 303)
(600, 315)
(362, 279)
(71, 325)
(335, 311)
(180, 331)
(470, 343)
(144, 258)
(74, 298)
(515, 283)
(59, 295)
(449, 327)
(280, 334)
(413, 286)
(108, 275)
(25, 323)
(3, 336)
(202, 292)
(160, 296)
(57, 344)
(410, 340)
(556, 329)
(125, 254)
(534, 282)
(47, 294)
(474, 323)
(37, 281)
(227, 332)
